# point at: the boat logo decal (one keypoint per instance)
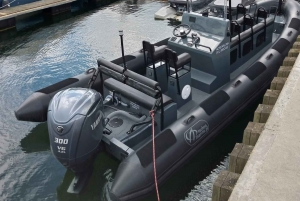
(197, 131)
(60, 129)
(95, 124)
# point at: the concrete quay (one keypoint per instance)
(272, 170)
(265, 166)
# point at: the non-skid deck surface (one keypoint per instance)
(30, 7)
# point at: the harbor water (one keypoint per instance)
(39, 57)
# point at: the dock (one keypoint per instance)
(272, 170)
(12, 12)
(266, 165)
(50, 9)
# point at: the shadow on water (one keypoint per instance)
(103, 167)
(37, 140)
(98, 185)
(173, 22)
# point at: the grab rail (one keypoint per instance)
(203, 46)
(262, 13)
(275, 13)
(240, 9)
(236, 27)
(248, 20)
(251, 5)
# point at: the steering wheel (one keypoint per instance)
(181, 30)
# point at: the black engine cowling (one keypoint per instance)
(75, 125)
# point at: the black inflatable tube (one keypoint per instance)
(35, 107)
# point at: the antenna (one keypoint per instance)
(225, 9)
(279, 7)
(122, 48)
(230, 16)
(191, 7)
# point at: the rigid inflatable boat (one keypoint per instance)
(194, 83)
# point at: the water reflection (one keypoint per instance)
(129, 6)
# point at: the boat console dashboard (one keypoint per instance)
(198, 41)
(200, 33)
(207, 41)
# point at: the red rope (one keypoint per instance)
(154, 160)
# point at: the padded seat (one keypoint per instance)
(159, 53)
(183, 59)
(175, 61)
(134, 95)
(155, 53)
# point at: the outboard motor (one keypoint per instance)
(75, 125)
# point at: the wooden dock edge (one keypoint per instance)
(51, 10)
(224, 184)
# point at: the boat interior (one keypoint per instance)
(204, 54)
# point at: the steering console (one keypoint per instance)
(181, 30)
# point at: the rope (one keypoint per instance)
(154, 160)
